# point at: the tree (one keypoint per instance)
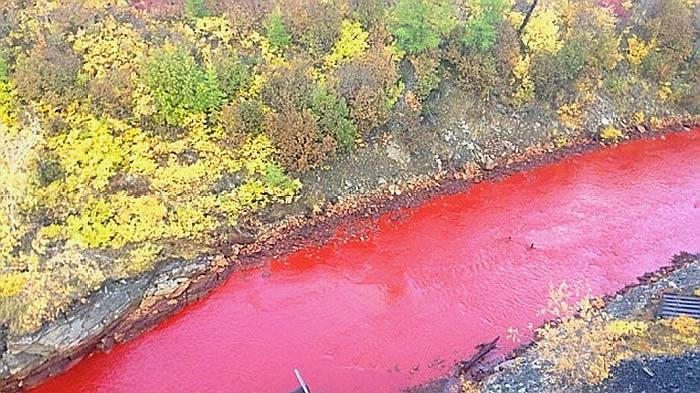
(276, 31)
(419, 25)
(179, 86)
(196, 8)
(482, 28)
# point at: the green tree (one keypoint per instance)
(276, 31)
(333, 112)
(421, 24)
(179, 86)
(481, 30)
(196, 8)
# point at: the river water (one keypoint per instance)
(399, 305)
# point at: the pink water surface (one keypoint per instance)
(401, 306)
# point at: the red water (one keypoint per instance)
(401, 306)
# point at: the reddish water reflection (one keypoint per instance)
(402, 306)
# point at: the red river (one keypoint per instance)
(400, 306)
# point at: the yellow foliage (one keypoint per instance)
(108, 46)
(18, 152)
(582, 349)
(611, 133)
(664, 93)
(469, 387)
(211, 35)
(49, 288)
(638, 50)
(685, 326)
(140, 259)
(542, 32)
(352, 43)
(90, 153)
(11, 284)
(638, 118)
(571, 115)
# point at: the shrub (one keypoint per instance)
(315, 24)
(233, 74)
(507, 48)
(542, 32)
(276, 31)
(179, 86)
(367, 84)
(670, 24)
(475, 71)
(638, 50)
(426, 68)
(481, 30)
(610, 134)
(554, 74)
(196, 8)
(478, 73)
(581, 350)
(332, 113)
(243, 117)
(48, 73)
(50, 289)
(419, 25)
(298, 140)
(352, 43)
(289, 86)
(4, 68)
(368, 12)
(112, 93)
(245, 15)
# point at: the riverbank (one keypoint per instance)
(658, 364)
(121, 310)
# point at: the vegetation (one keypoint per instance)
(583, 345)
(121, 128)
(582, 350)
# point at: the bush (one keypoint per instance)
(332, 113)
(245, 15)
(196, 8)
(481, 29)
(367, 84)
(478, 73)
(426, 68)
(4, 68)
(179, 86)
(368, 12)
(48, 73)
(315, 24)
(243, 117)
(672, 25)
(298, 140)
(554, 75)
(276, 31)
(112, 93)
(419, 25)
(289, 86)
(233, 73)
